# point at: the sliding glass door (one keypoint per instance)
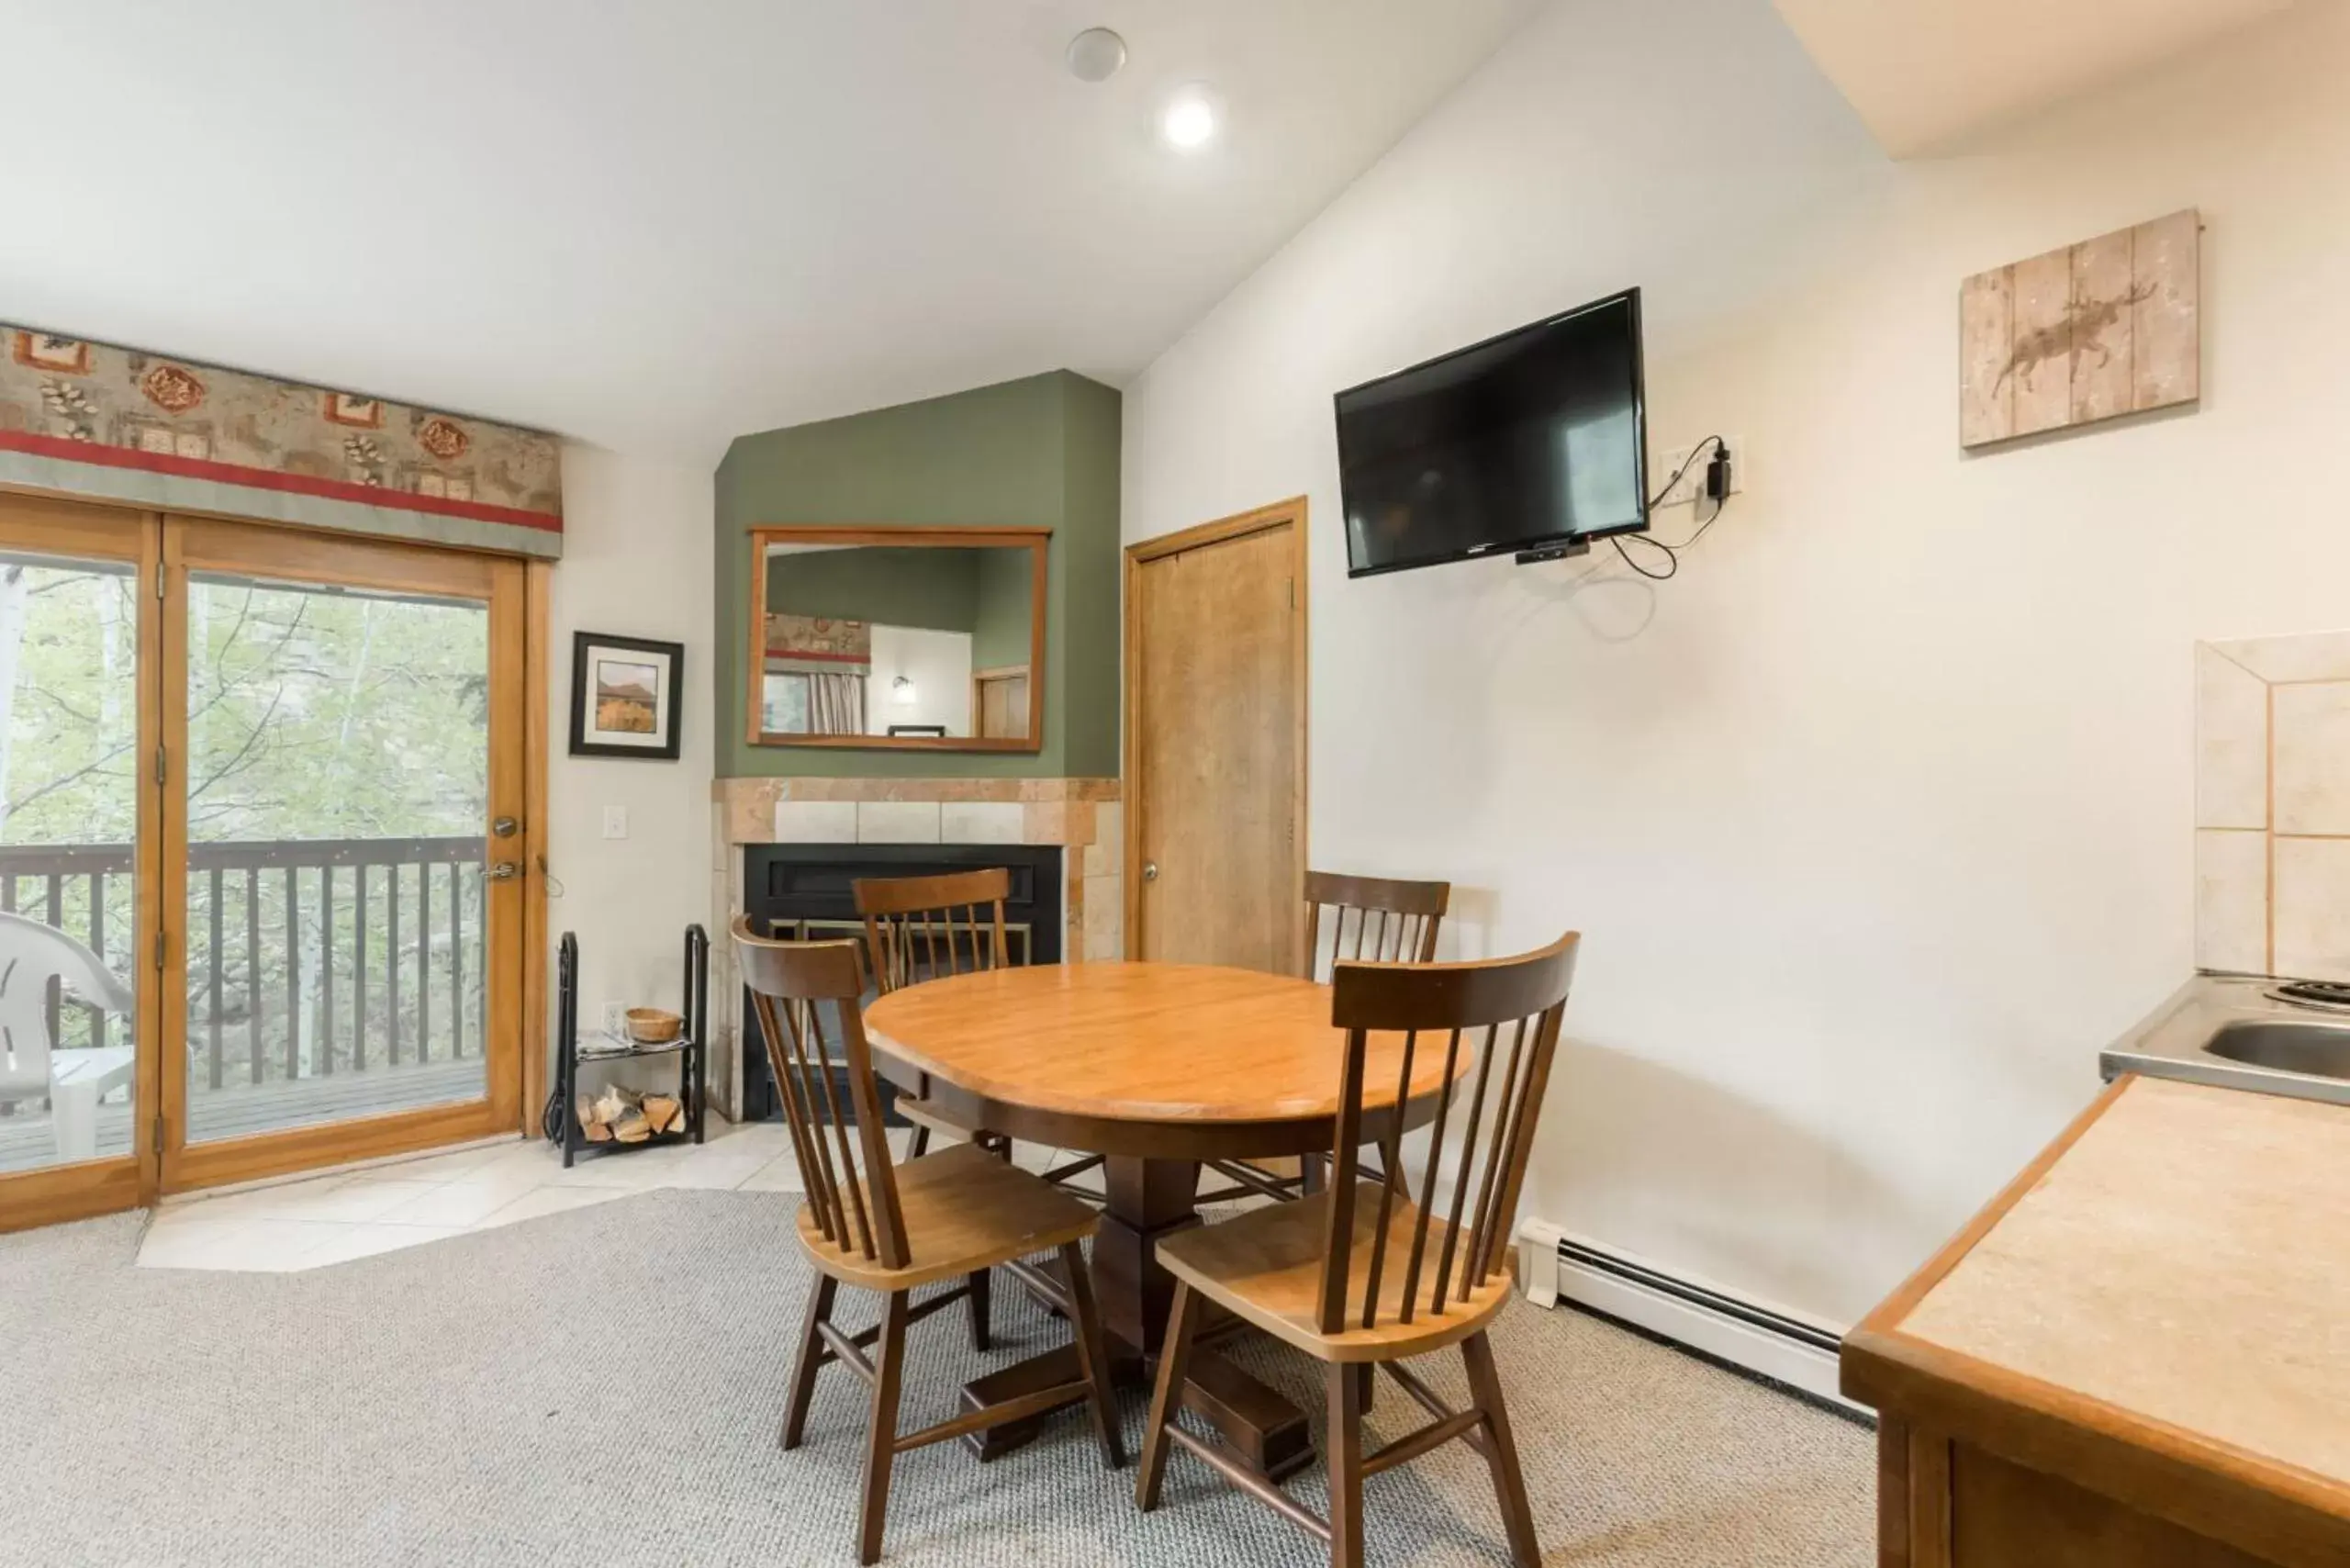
(75, 824)
(260, 796)
(344, 850)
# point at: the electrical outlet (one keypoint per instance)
(615, 822)
(616, 1019)
(1691, 488)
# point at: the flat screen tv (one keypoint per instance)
(1530, 442)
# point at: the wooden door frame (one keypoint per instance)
(45, 521)
(1291, 513)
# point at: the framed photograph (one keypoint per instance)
(626, 694)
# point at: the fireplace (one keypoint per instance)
(802, 891)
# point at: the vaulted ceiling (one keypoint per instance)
(1925, 75)
(658, 224)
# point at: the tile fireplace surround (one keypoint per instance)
(1082, 817)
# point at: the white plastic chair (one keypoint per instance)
(31, 1067)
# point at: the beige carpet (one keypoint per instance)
(603, 1387)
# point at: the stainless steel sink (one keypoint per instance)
(2286, 1044)
(2229, 1031)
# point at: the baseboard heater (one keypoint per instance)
(1778, 1346)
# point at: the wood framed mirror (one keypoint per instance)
(897, 638)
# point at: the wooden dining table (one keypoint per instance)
(1156, 1068)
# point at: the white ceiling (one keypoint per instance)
(657, 226)
(1925, 73)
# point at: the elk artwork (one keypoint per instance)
(2081, 330)
(2104, 328)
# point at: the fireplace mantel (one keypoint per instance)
(1082, 817)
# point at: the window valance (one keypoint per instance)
(128, 426)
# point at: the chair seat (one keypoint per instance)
(1266, 1266)
(964, 1210)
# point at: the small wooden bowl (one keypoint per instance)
(652, 1026)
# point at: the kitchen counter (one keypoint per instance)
(2139, 1353)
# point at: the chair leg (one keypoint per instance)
(1310, 1176)
(1344, 1442)
(1509, 1484)
(977, 1303)
(1367, 1374)
(881, 1438)
(918, 1145)
(803, 1368)
(1092, 1355)
(1168, 1394)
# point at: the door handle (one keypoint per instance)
(503, 871)
(1150, 870)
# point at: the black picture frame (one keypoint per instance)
(665, 698)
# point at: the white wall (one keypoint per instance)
(938, 662)
(636, 563)
(1877, 819)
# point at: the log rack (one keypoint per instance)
(691, 1049)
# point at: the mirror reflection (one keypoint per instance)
(883, 640)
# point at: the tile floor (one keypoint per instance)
(334, 1217)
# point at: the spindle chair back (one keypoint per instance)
(1382, 1267)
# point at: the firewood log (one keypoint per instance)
(632, 1128)
(662, 1112)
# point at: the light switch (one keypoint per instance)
(615, 822)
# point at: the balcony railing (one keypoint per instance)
(305, 959)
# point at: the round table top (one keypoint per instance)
(1140, 1042)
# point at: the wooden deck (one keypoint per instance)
(25, 1143)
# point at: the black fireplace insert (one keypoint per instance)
(801, 892)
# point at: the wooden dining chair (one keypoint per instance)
(1395, 922)
(920, 928)
(868, 1224)
(1370, 1273)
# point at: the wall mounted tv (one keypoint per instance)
(1530, 442)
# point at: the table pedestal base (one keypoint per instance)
(1262, 1429)
(1149, 1198)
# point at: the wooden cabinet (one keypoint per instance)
(2137, 1356)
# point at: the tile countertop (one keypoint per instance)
(2183, 1264)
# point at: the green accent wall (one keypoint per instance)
(937, 589)
(1041, 452)
(1000, 635)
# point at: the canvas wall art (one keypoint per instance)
(2106, 327)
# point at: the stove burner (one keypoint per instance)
(2314, 994)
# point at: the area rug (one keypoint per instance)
(603, 1387)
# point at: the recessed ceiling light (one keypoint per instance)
(1190, 120)
(1095, 54)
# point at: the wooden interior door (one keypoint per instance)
(341, 877)
(1000, 702)
(1215, 743)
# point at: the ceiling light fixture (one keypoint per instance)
(1190, 120)
(1095, 54)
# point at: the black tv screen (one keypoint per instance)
(1525, 441)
